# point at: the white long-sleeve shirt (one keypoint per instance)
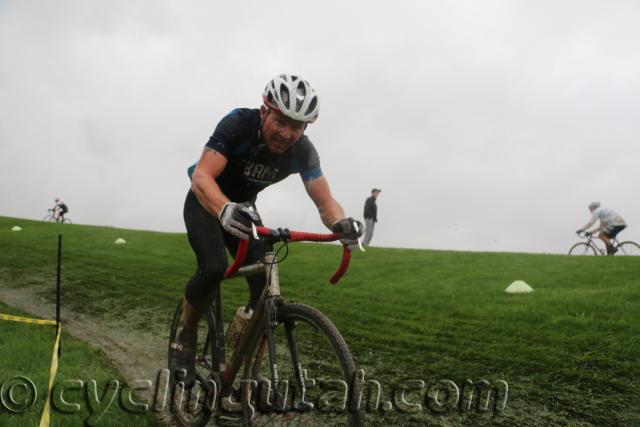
(606, 216)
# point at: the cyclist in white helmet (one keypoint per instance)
(610, 225)
(249, 150)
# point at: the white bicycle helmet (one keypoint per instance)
(594, 205)
(293, 97)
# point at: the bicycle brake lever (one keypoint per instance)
(355, 224)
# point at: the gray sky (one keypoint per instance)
(489, 125)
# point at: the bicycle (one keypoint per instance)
(298, 369)
(54, 216)
(590, 248)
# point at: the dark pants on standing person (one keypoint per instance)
(369, 225)
(210, 243)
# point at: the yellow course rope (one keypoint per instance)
(46, 414)
(26, 319)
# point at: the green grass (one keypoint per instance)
(570, 351)
(26, 350)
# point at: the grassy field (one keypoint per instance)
(26, 350)
(569, 352)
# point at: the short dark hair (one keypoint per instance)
(376, 190)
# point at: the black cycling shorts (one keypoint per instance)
(612, 230)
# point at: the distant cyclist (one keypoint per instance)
(62, 209)
(610, 225)
(249, 150)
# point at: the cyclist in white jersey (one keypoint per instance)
(610, 224)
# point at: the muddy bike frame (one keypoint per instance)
(264, 316)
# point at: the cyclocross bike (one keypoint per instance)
(290, 367)
(591, 248)
(54, 216)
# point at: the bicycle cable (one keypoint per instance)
(271, 264)
(285, 245)
(285, 238)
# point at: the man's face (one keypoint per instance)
(279, 131)
(375, 194)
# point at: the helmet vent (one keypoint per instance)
(301, 93)
(312, 105)
(284, 96)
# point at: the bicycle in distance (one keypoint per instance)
(591, 248)
(53, 215)
(289, 365)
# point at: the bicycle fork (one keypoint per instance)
(289, 328)
(279, 401)
(271, 322)
(265, 319)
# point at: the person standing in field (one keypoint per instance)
(370, 216)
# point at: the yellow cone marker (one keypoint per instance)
(518, 287)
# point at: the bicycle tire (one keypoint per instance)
(67, 221)
(329, 363)
(628, 248)
(583, 249)
(189, 406)
(49, 218)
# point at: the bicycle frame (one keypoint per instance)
(255, 325)
(265, 312)
(55, 213)
(591, 241)
(274, 324)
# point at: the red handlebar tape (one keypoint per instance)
(294, 236)
(344, 264)
(239, 259)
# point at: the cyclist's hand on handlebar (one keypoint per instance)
(236, 218)
(587, 233)
(350, 229)
(579, 232)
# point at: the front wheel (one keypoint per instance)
(49, 218)
(315, 374)
(583, 249)
(628, 249)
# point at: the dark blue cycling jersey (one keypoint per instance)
(251, 166)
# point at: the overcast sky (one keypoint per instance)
(489, 125)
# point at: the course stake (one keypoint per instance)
(58, 270)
